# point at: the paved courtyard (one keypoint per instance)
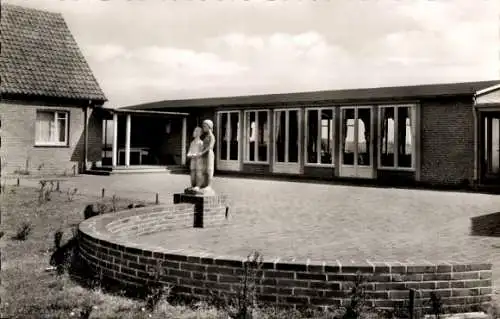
(320, 221)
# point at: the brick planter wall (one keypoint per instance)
(486, 225)
(105, 243)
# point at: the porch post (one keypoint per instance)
(476, 143)
(489, 144)
(115, 140)
(183, 141)
(127, 140)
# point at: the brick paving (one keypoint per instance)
(320, 221)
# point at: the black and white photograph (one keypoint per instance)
(250, 159)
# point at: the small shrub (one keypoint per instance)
(436, 305)
(244, 305)
(153, 289)
(45, 192)
(114, 201)
(23, 231)
(356, 308)
(71, 194)
(1, 234)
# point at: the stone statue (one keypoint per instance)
(204, 162)
(195, 168)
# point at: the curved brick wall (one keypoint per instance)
(105, 246)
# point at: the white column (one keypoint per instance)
(115, 140)
(127, 140)
(183, 141)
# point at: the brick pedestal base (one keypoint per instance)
(208, 210)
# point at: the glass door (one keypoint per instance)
(228, 137)
(287, 132)
(491, 138)
(356, 149)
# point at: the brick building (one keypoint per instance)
(48, 94)
(438, 134)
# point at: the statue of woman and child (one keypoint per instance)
(201, 155)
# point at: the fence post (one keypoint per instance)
(157, 199)
(103, 192)
(411, 306)
(18, 182)
(58, 186)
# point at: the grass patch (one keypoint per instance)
(30, 289)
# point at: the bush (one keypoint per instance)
(23, 231)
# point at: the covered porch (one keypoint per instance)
(487, 141)
(137, 141)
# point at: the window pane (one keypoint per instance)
(234, 127)
(280, 135)
(225, 136)
(45, 127)
(387, 127)
(61, 127)
(364, 122)
(348, 136)
(326, 136)
(312, 136)
(262, 136)
(251, 136)
(293, 139)
(404, 137)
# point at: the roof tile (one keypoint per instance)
(39, 56)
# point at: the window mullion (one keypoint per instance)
(256, 141)
(228, 136)
(396, 137)
(287, 137)
(318, 136)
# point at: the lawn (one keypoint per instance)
(30, 290)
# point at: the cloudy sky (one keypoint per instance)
(147, 50)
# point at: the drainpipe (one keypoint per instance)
(476, 137)
(85, 136)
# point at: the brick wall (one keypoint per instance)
(486, 225)
(18, 139)
(260, 169)
(104, 244)
(447, 144)
(327, 173)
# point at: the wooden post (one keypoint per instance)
(114, 147)
(411, 306)
(103, 192)
(18, 182)
(127, 139)
(58, 186)
(157, 201)
(183, 141)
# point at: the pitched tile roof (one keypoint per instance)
(334, 96)
(40, 57)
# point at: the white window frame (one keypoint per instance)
(318, 141)
(246, 151)
(227, 164)
(287, 167)
(57, 113)
(413, 130)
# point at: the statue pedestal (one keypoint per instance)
(209, 209)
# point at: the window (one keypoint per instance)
(319, 136)
(256, 136)
(397, 140)
(51, 128)
(286, 134)
(229, 130)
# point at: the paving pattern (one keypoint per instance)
(324, 222)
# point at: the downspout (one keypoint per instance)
(85, 136)
(476, 137)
